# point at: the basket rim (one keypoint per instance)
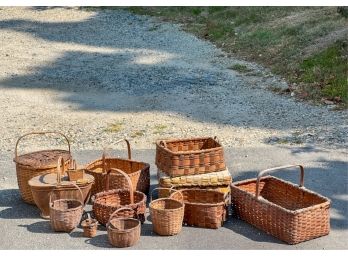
(51, 166)
(166, 199)
(124, 231)
(188, 152)
(115, 191)
(67, 186)
(327, 201)
(204, 204)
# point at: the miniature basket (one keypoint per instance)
(89, 226)
(107, 202)
(203, 208)
(167, 215)
(280, 208)
(37, 163)
(123, 232)
(139, 172)
(182, 157)
(74, 173)
(65, 214)
(221, 178)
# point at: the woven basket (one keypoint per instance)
(139, 172)
(74, 173)
(286, 211)
(203, 208)
(89, 226)
(65, 214)
(123, 232)
(221, 178)
(105, 203)
(182, 157)
(42, 185)
(37, 163)
(167, 215)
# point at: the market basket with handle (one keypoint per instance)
(89, 225)
(107, 202)
(167, 214)
(123, 231)
(181, 157)
(65, 213)
(203, 208)
(287, 211)
(139, 172)
(37, 163)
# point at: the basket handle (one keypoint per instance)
(162, 142)
(171, 189)
(39, 133)
(107, 186)
(261, 173)
(114, 214)
(118, 141)
(74, 184)
(73, 165)
(60, 169)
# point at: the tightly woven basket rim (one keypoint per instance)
(326, 200)
(146, 165)
(128, 229)
(158, 143)
(203, 204)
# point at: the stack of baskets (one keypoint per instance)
(197, 167)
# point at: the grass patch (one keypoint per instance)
(159, 129)
(240, 68)
(114, 127)
(138, 133)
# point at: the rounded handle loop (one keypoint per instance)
(170, 190)
(114, 214)
(162, 142)
(59, 186)
(261, 173)
(107, 148)
(73, 165)
(129, 182)
(40, 133)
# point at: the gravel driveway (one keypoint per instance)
(98, 76)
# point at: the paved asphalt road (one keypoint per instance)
(326, 173)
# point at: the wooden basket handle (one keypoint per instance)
(60, 170)
(73, 165)
(170, 190)
(59, 186)
(261, 173)
(162, 142)
(106, 148)
(114, 214)
(39, 133)
(107, 186)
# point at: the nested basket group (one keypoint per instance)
(179, 157)
(123, 231)
(65, 213)
(37, 163)
(203, 208)
(280, 208)
(107, 202)
(167, 214)
(138, 172)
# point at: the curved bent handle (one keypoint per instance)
(105, 149)
(40, 133)
(114, 214)
(162, 142)
(170, 191)
(261, 173)
(74, 184)
(130, 185)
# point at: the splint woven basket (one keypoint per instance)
(285, 210)
(181, 157)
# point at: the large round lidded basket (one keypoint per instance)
(166, 215)
(123, 232)
(42, 185)
(138, 172)
(107, 202)
(37, 163)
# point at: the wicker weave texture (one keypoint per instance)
(285, 210)
(182, 157)
(89, 227)
(203, 208)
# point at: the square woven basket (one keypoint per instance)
(180, 157)
(280, 208)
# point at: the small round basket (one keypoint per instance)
(89, 227)
(167, 215)
(123, 232)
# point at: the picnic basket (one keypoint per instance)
(42, 185)
(179, 157)
(203, 208)
(65, 213)
(37, 163)
(105, 203)
(166, 215)
(89, 226)
(280, 208)
(139, 172)
(123, 232)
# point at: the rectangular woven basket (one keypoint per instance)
(179, 157)
(280, 208)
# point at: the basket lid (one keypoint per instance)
(44, 159)
(50, 180)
